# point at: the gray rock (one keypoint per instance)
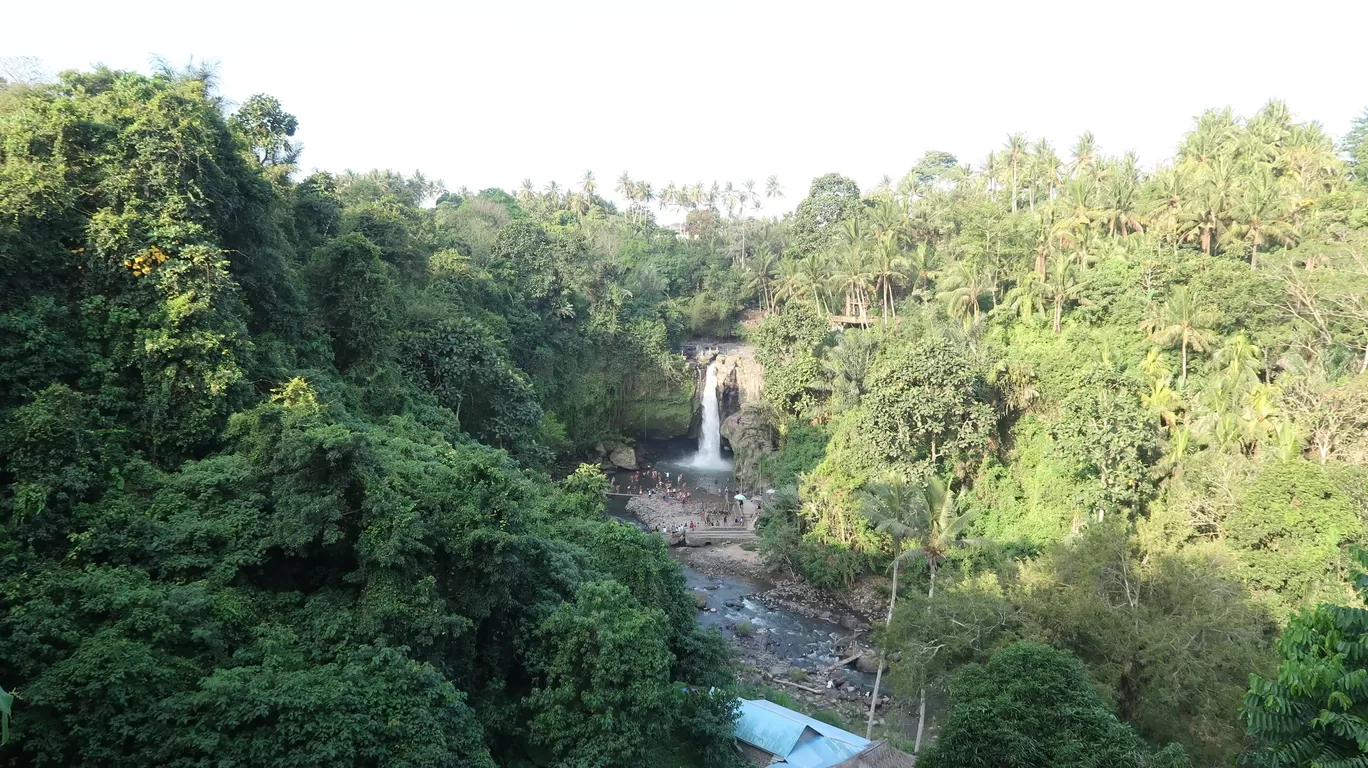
(778, 671)
(826, 615)
(700, 601)
(622, 456)
(849, 623)
(868, 663)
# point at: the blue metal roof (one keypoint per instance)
(801, 741)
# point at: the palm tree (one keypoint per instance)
(963, 291)
(553, 194)
(847, 367)
(1081, 212)
(1016, 152)
(528, 192)
(588, 186)
(1258, 215)
(1183, 322)
(813, 270)
(789, 284)
(922, 263)
(927, 516)
(1084, 154)
(762, 271)
(625, 186)
(1120, 214)
(1027, 297)
(1043, 169)
(889, 266)
(1170, 188)
(1061, 286)
(772, 188)
(853, 276)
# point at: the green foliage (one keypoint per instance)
(1032, 705)
(355, 297)
(606, 693)
(267, 127)
(928, 401)
(1110, 441)
(1289, 526)
(1315, 711)
(832, 199)
(788, 346)
(803, 447)
(268, 458)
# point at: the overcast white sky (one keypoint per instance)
(487, 93)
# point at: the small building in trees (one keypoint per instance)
(771, 735)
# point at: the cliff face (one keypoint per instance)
(660, 407)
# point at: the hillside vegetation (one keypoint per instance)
(276, 447)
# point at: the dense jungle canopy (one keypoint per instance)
(276, 447)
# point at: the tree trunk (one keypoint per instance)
(1058, 313)
(1253, 256)
(878, 676)
(1185, 345)
(1014, 188)
(921, 695)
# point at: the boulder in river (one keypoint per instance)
(622, 456)
(700, 601)
(868, 663)
(849, 623)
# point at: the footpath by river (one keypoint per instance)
(788, 633)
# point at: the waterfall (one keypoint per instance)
(709, 454)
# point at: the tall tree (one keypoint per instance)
(1017, 153)
(1181, 321)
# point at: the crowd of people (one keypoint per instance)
(652, 483)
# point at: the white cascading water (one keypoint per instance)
(709, 454)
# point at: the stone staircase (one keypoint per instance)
(718, 534)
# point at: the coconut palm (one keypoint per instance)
(1061, 285)
(1169, 189)
(889, 267)
(1081, 213)
(625, 186)
(1043, 170)
(553, 194)
(1027, 297)
(772, 188)
(1181, 321)
(925, 517)
(1162, 402)
(963, 290)
(1016, 153)
(853, 276)
(588, 185)
(788, 282)
(922, 263)
(527, 192)
(1258, 215)
(761, 273)
(1084, 154)
(813, 274)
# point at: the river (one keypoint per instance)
(797, 640)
